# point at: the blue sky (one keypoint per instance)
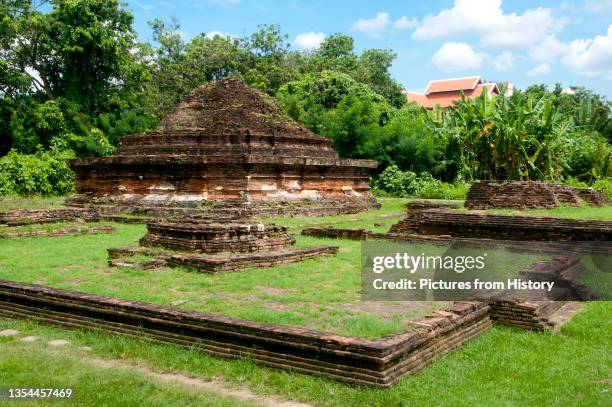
(523, 41)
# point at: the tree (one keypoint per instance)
(373, 69)
(169, 82)
(73, 64)
(78, 50)
(337, 54)
(269, 67)
(517, 138)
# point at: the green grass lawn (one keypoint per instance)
(585, 211)
(392, 210)
(34, 365)
(34, 202)
(322, 294)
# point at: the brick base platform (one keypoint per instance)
(505, 227)
(379, 362)
(64, 231)
(20, 217)
(113, 206)
(526, 315)
(528, 195)
(120, 257)
(563, 269)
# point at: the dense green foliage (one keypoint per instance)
(44, 173)
(604, 185)
(530, 135)
(395, 182)
(521, 137)
(74, 78)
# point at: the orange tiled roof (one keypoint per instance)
(445, 92)
(450, 85)
(419, 98)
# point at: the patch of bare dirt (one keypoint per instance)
(275, 290)
(218, 386)
(393, 215)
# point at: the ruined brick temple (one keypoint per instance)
(228, 144)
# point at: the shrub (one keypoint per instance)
(604, 185)
(444, 190)
(402, 184)
(395, 182)
(43, 173)
(574, 182)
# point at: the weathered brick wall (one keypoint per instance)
(216, 263)
(488, 226)
(215, 237)
(592, 196)
(528, 195)
(65, 231)
(419, 205)
(523, 314)
(19, 217)
(513, 194)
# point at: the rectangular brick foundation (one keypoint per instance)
(525, 315)
(20, 217)
(505, 227)
(66, 231)
(218, 262)
(379, 362)
(528, 195)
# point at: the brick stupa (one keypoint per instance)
(231, 145)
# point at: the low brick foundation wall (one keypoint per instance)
(563, 270)
(235, 209)
(505, 227)
(379, 362)
(528, 195)
(215, 264)
(525, 315)
(418, 205)
(67, 231)
(337, 233)
(20, 217)
(120, 257)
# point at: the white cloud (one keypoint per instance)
(527, 29)
(547, 50)
(309, 40)
(597, 6)
(504, 61)
(457, 56)
(542, 69)
(166, 4)
(144, 6)
(373, 26)
(213, 33)
(404, 23)
(487, 20)
(568, 90)
(590, 57)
